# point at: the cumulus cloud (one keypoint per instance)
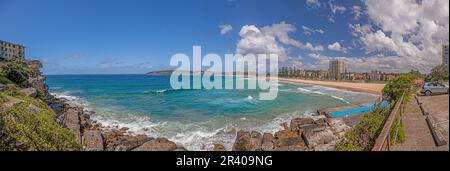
(272, 39)
(336, 46)
(309, 31)
(224, 29)
(414, 31)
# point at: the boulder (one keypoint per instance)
(11, 103)
(321, 121)
(115, 140)
(313, 139)
(243, 141)
(267, 142)
(159, 144)
(326, 147)
(298, 122)
(288, 141)
(31, 92)
(284, 125)
(219, 147)
(93, 140)
(34, 108)
(338, 127)
(312, 128)
(256, 140)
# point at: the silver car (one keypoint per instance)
(434, 88)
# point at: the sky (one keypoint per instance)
(138, 36)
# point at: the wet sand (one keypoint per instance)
(372, 88)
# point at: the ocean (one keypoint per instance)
(197, 119)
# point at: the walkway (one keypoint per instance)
(418, 134)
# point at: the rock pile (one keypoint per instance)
(303, 134)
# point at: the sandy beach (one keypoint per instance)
(372, 88)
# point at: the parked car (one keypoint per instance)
(434, 88)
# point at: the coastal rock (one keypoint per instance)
(267, 142)
(321, 121)
(116, 141)
(296, 123)
(243, 141)
(159, 144)
(31, 92)
(93, 140)
(313, 139)
(288, 141)
(284, 125)
(256, 140)
(10, 103)
(70, 119)
(34, 108)
(338, 127)
(325, 147)
(219, 147)
(312, 128)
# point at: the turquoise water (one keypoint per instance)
(194, 118)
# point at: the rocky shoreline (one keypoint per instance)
(302, 134)
(96, 137)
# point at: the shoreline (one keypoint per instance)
(370, 88)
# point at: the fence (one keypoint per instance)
(383, 142)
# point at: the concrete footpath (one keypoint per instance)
(418, 133)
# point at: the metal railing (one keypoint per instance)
(383, 142)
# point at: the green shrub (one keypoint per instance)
(4, 80)
(17, 74)
(395, 87)
(23, 128)
(363, 136)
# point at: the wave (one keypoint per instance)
(311, 91)
(323, 93)
(73, 100)
(340, 98)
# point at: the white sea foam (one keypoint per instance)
(342, 99)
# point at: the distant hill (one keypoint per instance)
(164, 72)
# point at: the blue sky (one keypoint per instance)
(115, 36)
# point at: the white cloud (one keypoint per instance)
(357, 11)
(313, 3)
(309, 31)
(270, 39)
(412, 30)
(224, 29)
(336, 8)
(336, 46)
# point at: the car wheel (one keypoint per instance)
(428, 93)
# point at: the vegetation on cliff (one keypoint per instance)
(363, 136)
(27, 123)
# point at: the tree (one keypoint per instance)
(396, 86)
(438, 73)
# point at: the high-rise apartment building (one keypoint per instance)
(336, 69)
